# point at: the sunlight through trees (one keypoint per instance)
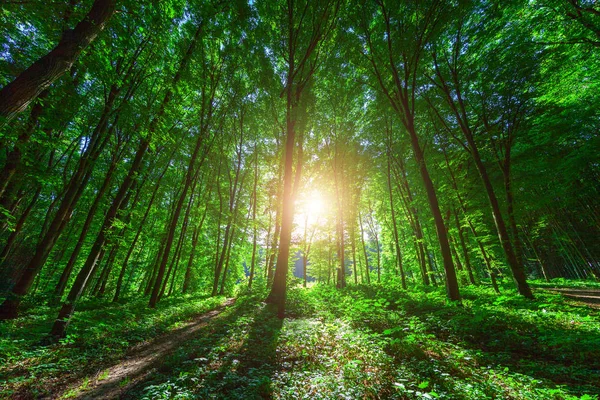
(154, 150)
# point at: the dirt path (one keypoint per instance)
(590, 297)
(143, 359)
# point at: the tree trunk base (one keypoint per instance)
(59, 329)
(10, 309)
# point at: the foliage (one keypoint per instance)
(390, 148)
(100, 335)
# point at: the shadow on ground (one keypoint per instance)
(500, 330)
(233, 357)
(141, 360)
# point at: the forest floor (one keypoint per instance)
(141, 361)
(589, 297)
(361, 342)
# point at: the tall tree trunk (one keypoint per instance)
(510, 208)
(13, 157)
(402, 101)
(362, 239)
(138, 233)
(455, 101)
(254, 224)
(296, 81)
(451, 281)
(463, 246)
(278, 289)
(98, 140)
(66, 274)
(517, 270)
(394, 225)
(16, 96)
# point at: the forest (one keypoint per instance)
(300, 199)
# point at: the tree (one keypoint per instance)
(17, 95)
(307, 26)
(395, 38)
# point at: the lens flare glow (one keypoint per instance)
(315, 205)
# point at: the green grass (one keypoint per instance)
(491, 347)
(566, 283)
(100, 333)
(380, 342)
(369, 342)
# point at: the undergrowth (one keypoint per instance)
(361, 342)
(100, 333)
(493, 346)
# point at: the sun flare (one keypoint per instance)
(315, 205)
(311, 210)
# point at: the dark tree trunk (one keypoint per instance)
(66, 274)
(463, 246)
(394, 225)
(16, 96)
(278, 289)
(455, 101)
(362, 239)
(13, 157)
(254, 225)
(138, 233)
(79, 179)
(295, 83)
(451, 281)
(402, 101)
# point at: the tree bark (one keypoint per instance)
(66, 274)
(456, 103)
(16, 96)
(79, 179)
(96, 254)
(362, 239)
(254, 224)
(394, 225)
